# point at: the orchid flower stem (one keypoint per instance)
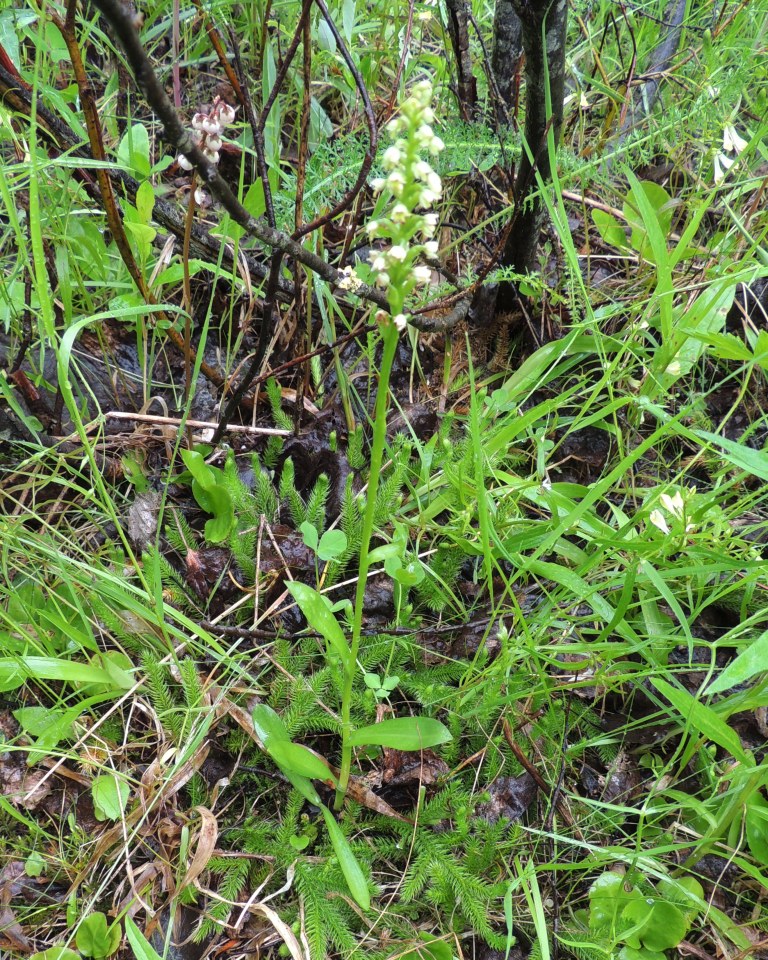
(390, 337)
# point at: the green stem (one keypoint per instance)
(390, 337)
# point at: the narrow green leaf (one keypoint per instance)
(269, 726)
(356, 882)
(701, 719)
(749, 662)
(142, 949)
(316, 609)
(402, 733)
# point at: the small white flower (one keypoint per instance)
(372, 228)
(378, 184)
(396, 182)
(211, 126)
(657, 519)
(212, 155)
(722, 166)
(226, 113)
(422, 170)
(391, 158)
(430, 225)
(398, 253)
(422, 274)
(183, 162)
(436, 146)
(401, 321)
(213, 143)
(382, 279)
(424, 135)
(400, 213)
(427, 197)
(198, 120)
(378, 262)
(674, 505)
(434, 183)
(431, 248)
(732, 142)
(394, 126)
(201, 198)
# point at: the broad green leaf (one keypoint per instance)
(297, 759)
(269, 726)
(270, 729)
(701, 719)
(35, 864)
(608, 898)
(316, 609)
(142, 948)
(332, 544)
(110, 797)
(145, 201)
(663, 925)
(402, 733)
(96, 938)
(609, 229)
(749, 662)
(133, 151)
(309, 535)
(356, 882)
(56, 953)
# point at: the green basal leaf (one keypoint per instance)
(402, 733)
(356, 882)
(296, 758)
(269, 726)
(96, 938)
(110, 797)
(56, 953)
(309, 535)
(332, 544)
(661, 925)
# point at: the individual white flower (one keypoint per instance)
(722, 164)
(427, 197)
(434, 183)
(674, 505)
(401, 321)
(394, 126)
(657, 519)
(396, 182)
(377, 261)
(431, 247)
(211, 126)
(424, 135)
(436, 146)
(422, 170)
(732, 142)
(378, 184)
(371, 228)
(213, 143)
(422, 274)
(226, 113)
(198, 120)
(391, 158)
(183, 162)
(400, 213)
(398, 253)
(212, 155)
(201, 197)
(382, 279)
(430, 225)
